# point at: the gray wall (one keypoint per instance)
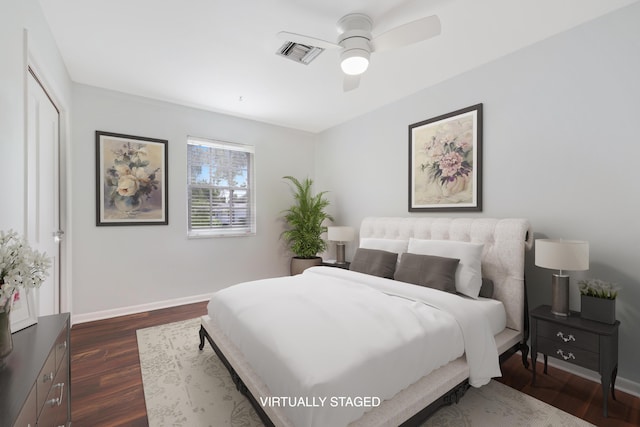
(115, 268)
(561, 144)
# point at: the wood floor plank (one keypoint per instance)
(106, 382)
(573, 394)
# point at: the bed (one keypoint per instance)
(272, 368)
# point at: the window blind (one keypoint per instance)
(221, 189)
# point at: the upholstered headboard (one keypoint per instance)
(505, 242)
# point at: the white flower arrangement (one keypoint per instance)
(20, 267)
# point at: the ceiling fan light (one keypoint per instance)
(354, 61)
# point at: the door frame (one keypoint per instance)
(32, 67)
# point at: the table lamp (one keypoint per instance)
(340, 235)
(557, 254)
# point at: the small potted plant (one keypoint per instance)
(305, 221)
(598, 300)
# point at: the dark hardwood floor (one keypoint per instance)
(572, 394)
(106, 383)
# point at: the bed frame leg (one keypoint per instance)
(524, 349)
(201, 346)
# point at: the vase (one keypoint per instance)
(128, 204)
(454, 186)
(598, 309)
(298, 265)
(6, 341)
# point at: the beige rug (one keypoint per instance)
(186, 387)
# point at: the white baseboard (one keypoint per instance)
(108, 314)
(622, 384)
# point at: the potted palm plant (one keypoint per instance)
(305, 225)
(598, 300)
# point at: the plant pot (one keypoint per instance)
(598, 309)
(298, 265)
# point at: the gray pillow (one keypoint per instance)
(374, 262)
(428, 270)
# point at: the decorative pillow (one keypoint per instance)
(469, 271)
(486, 291)
(374, 262)
(389, 245)
(428, 270)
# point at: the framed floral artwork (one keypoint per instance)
(445, 162)
(131, 180)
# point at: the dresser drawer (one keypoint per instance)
(61, 347)
(50, 368)
(45, 379)
(562, 334)
(55, 411)
(569, 353)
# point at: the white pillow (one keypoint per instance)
(389, 245)
(469, 271)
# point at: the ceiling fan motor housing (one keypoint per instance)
(355, 34)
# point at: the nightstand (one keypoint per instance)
(592, 345)
(335, 264)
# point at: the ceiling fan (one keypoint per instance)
(357, 43)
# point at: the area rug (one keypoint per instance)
(184, 386)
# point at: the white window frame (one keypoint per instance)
(227, 230)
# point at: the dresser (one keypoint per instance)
(34, 384)
(586, 343)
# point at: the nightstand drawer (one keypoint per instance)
(562, 334)
(569, 353)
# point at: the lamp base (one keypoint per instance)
(560, 295)
(340, 254)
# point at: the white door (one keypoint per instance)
(43, 189)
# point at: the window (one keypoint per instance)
(221, 189)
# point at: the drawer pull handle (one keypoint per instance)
(567, 338)
(57, 401)
(565, 356)
(47, 377)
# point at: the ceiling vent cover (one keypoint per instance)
(301, 53)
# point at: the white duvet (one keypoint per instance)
(330, 343)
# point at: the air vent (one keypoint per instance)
(301, 53)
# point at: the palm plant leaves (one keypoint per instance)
(305, 220)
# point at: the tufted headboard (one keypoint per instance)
(505, 242)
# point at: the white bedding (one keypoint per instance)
(371, 323)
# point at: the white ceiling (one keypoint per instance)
(219, 55)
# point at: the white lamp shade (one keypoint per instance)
(340, 234)
(557, 254)
(354, 61)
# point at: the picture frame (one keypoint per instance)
(131, 180)
(23, 310)
(445, 162)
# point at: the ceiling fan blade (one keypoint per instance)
(350, 82)
(406, 34)
(307, 40)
